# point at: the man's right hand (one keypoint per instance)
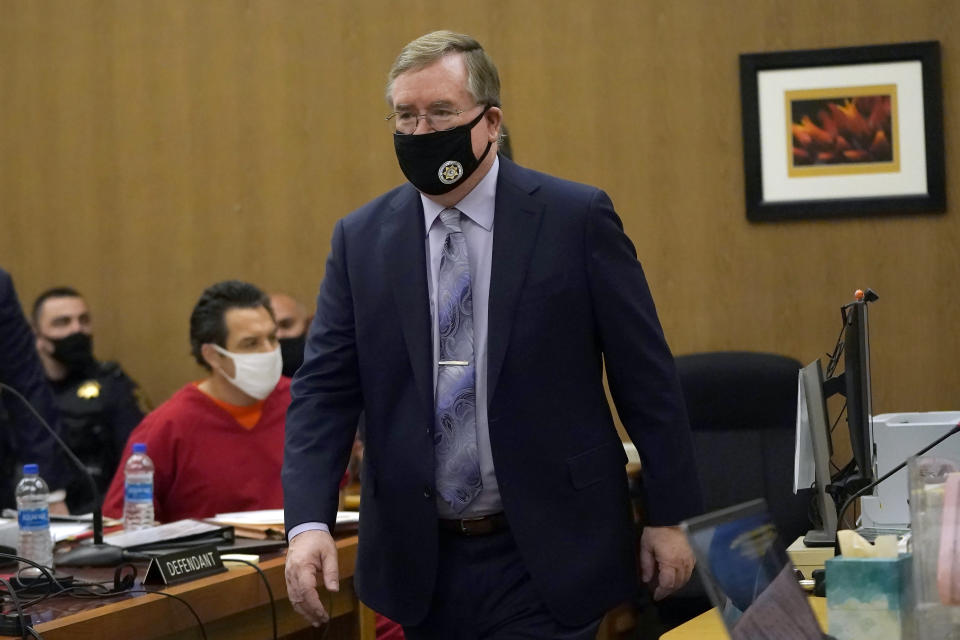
(310, 554)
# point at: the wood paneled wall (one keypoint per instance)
(151, 147)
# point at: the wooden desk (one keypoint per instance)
(709, 626)
(233, 605)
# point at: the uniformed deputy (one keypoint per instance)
(99, 403)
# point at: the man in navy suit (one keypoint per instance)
(470, 315)
(22, 438)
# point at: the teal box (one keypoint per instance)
(870, 598)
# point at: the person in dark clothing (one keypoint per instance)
(470, 315)
(99, 403)
(22, 438)
(292, 323)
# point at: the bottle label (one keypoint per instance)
(139, 492)
(33, 519)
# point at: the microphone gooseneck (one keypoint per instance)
(97, 554)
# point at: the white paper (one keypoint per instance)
(804, 465)
(161, 533)
(263, 517)
(64, 530)
(59, 531)
(268, 517)
(348, 517)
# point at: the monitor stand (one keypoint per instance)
(820, 538)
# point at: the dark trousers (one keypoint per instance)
(484, 592)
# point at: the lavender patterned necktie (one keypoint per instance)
(455, 435)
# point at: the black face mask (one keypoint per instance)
(74, 351)
(291, 350)
(437, 163)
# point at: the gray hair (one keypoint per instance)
(483, 81)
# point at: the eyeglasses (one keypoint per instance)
(438, 119)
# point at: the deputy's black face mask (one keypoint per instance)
(74, 351)
(291, 350)
(436, 163)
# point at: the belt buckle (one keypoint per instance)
(465, 522)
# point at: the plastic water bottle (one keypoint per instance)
(138, 490)
(33, 516)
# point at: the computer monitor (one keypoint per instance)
(854, 384)
(811, 377)
(856, 378)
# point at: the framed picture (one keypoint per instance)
(843, 132)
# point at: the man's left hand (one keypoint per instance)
(666, 560)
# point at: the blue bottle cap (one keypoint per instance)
(140, 447)
(30, 469)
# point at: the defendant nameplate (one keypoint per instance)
(184, 565)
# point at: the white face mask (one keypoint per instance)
(256, 374)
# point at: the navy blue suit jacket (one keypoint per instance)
(20, 367)
(567, 296)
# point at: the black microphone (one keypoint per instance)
(97, 554)
(849, 501)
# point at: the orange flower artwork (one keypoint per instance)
(842, 130)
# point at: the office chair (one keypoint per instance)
(742, 409)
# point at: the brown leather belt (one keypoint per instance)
(479, 526)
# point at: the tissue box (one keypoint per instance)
(870, 598)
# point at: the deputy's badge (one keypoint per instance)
(450, 172)
(89, 390)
